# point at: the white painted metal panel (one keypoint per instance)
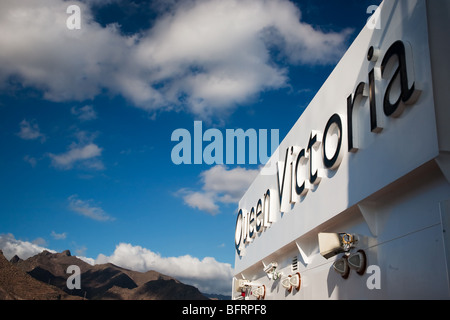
(388, 191)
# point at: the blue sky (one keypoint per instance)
(87, 117)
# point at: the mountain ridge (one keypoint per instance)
(98, 282)
(16, 284)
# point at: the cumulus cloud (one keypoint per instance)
(220, 185)
(84, 153)
(88, 209)
(204, 201)
(29, 130)
(40, 241)
(58, 236)
(23, 249)
(227, 45)
(85, 113)
(76, 154)
(209, 275)
(230, 185)
(204, 55)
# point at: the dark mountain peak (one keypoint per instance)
(55, 263)
(66, 253)
(15, 259)
(2, 257)
(45, 253)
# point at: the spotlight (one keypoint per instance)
(286, 283)
(240, 284)
(357, 261)
(271, 271)
(331, 244)
(259, 292)
(296, 281)
(341, 266)
(292, 281)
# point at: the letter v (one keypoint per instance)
(282, 181)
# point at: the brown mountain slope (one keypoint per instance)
(159, 289)
(15, 284)
(138, 277)
(162, 289)
(55, 263)
(106, 281)
(150, 285)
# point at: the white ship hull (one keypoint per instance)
(385, 180)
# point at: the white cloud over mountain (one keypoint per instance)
(23, 249)
(204, 55)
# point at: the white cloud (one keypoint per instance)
(39, 241)
(84, 153)
(58, 236)
(99, 2)
(201, 200)
(31, 160)
(205, 55)
(23, 249)
(209, 275)
(76, 154)
(29, 130)
(88, 209)
(220, 185)
(230, 185)
(85, 113)
(81, 251)
(88, 260)
(227, 44)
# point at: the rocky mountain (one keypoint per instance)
(16, 284)
(98, 282)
